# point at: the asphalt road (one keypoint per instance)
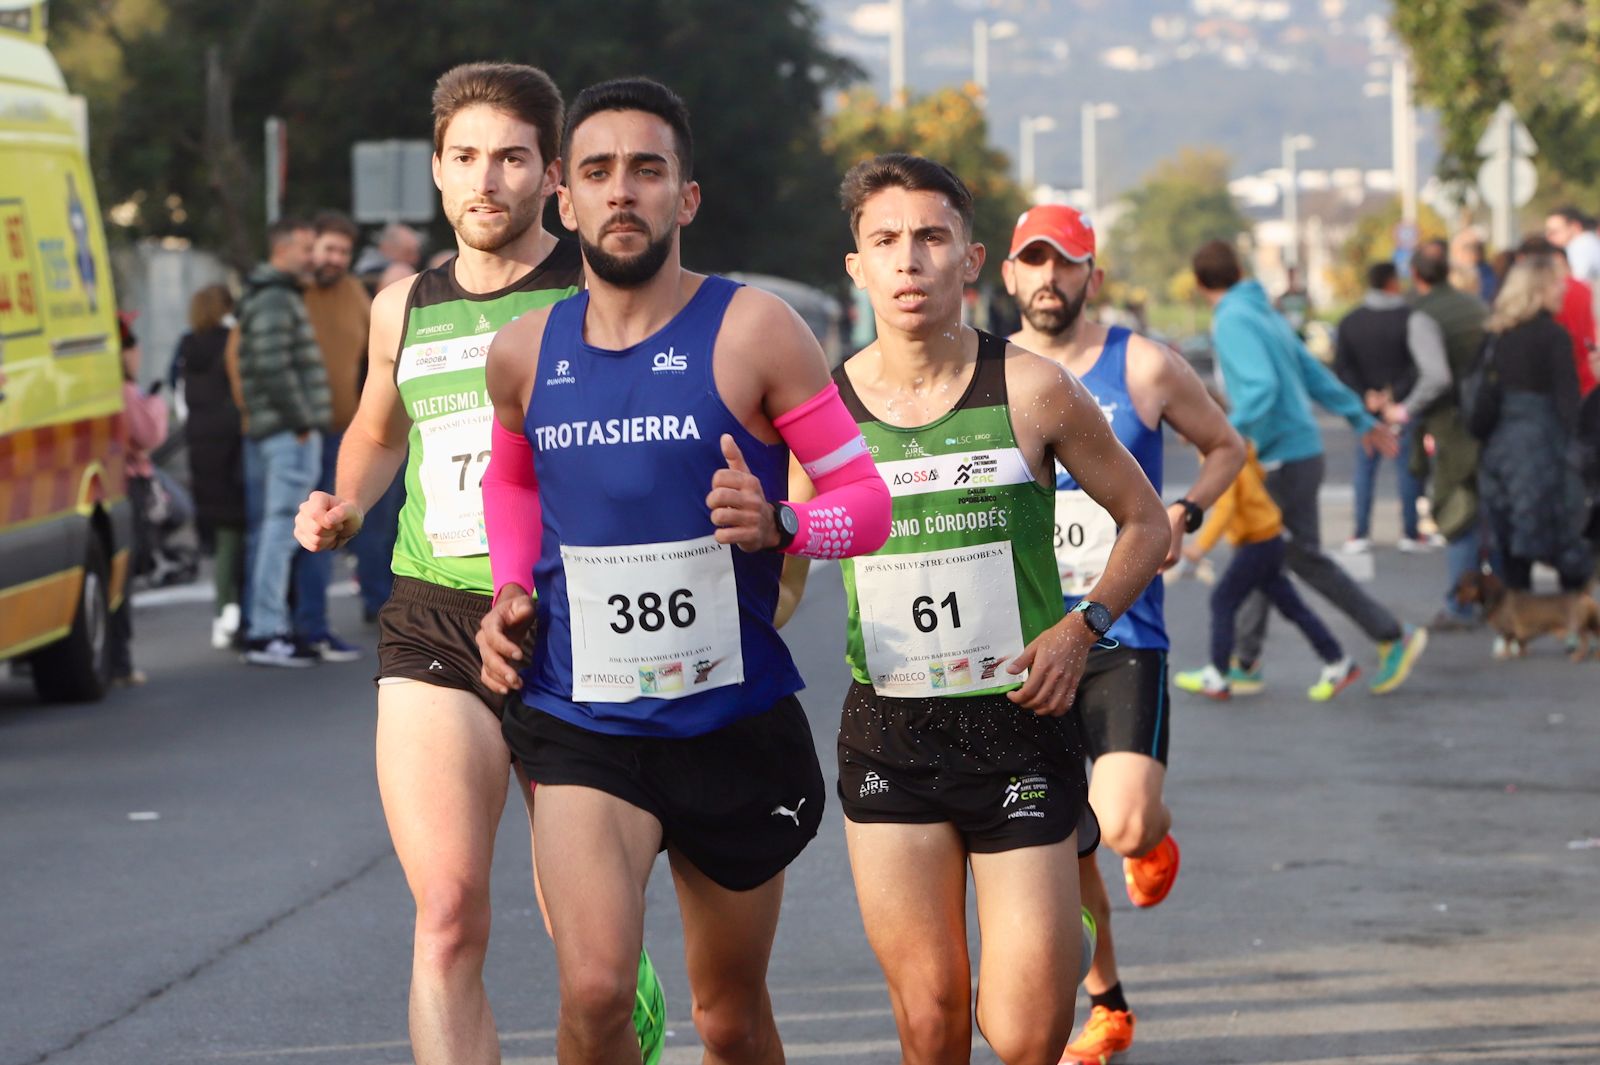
(198, 870)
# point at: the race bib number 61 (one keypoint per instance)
(939, 622)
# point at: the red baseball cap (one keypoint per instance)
(1064, 228)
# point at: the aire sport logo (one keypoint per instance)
(669, 361)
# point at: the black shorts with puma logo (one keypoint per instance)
(740, 802)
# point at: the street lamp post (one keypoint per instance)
(897, 54)
(1293, 143)
(1092, 114)
(984, 31)
(1031, 125)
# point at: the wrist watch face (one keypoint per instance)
(789, 520)
(1096, 616)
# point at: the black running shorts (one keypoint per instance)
(429, 633)
(740, 803)
(1124, 702)
(1003, 776)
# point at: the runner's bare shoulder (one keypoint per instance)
(514, 354)
(759, 321)
(1035, 382)
(388, 318)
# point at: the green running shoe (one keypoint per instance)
(1242, 681)
(1396, 658)
(650, 1012)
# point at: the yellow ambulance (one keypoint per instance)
(65, 523)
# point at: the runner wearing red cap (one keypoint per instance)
(1123, 698)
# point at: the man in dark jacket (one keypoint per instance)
(1450, 319)
(287, 409)
(1372, 356)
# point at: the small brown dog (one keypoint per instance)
(1517, 617)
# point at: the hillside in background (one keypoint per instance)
(1237, 74)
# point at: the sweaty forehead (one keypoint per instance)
(897, 208)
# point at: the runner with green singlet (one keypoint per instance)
(442, 762)
(955, 748)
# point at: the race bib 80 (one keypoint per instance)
(1085, 535)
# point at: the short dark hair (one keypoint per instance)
(283, 229)
(635, 94)
(1538, 245)
(1573, 215)
(1380, 274)
(913, 173)
(524, 92)
(336, 222)
(1430, 263)
(1216, 266)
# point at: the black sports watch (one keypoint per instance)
(1194, 514)
(788, 523)
(1095, 615)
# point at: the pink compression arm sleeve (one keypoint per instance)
(850, 515)
(511, 514)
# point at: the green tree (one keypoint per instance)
(1542, 55)
(179, 90)
(1182, 203)
(947, 126)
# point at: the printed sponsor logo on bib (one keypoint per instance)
(938, 473)
(939, 622)
(1085, 534)
(443, 356)
(455, 452)
(652, 620)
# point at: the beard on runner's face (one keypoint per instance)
(627, 270)
(491, 232)
(1053, 320)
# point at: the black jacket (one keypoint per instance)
(1372, 352)
(212, 431)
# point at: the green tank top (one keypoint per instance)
(439, 371)
(968, 576)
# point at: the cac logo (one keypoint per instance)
(669, 361)
(561, 368)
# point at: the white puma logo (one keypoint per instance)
(786, 812)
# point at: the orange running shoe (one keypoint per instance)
(1108, 1032)
(1150, 877)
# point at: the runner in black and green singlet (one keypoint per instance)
(969, 554)
(955, 750)
(442, 762)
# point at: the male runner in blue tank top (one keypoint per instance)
(658, 710)
(1123, 698)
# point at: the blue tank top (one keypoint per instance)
(647, 627)
(1143, 625)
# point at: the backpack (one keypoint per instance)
(1478, 395)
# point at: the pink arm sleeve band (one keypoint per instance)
(511, 514)
(850, 515)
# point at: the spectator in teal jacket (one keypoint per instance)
(287, 409)
(1271, 380)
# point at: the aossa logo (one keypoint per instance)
(669, 361)
(916, 477)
